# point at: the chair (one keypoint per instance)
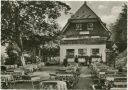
(35, 81)
(52, 75)
(7, 80)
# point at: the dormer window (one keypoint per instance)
(78, 26)
(90, 26)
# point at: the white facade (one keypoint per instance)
(101, 47)
(85, 36)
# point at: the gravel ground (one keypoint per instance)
(84, 83)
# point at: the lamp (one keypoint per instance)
(114, 47)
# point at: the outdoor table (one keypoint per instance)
(120, 83)
(7, 66)
(10, 66)
(29, 68)
(64, 75)
(6, 78)
(69, 71)
(120, 75)
(52, 75)
(9, 73)
(110, 78)
(10, 70)
(40, 65)
(53, 85)
(34, 66)
(21, 67)
(112, 70)
(35, 78)
(62, 70)
(120, 78)
(110, 74)
(41, 75)
(18, 72)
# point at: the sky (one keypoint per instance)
(108, 11)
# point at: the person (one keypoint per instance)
(65, 62)
(3, 69)
(76, 60)
(86, 60)
(90, 61)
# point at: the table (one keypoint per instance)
(19, 72)
(6, 78)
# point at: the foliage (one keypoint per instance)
(121, 59)
(110, 58)
(119, 36)
(30, 18)
(13, 52)
(30, 24)
(119, 30)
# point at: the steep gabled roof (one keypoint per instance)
(84, 12)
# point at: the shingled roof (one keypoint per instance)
(84, 12)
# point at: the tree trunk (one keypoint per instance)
(17, 27)
(22, 57)
(39, 53)
(34, 54)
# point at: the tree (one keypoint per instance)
(13, 52)
(30, 21)
(119, 30)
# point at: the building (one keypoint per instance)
(84, 35)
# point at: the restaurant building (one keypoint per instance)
(84, 35)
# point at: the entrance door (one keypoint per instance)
(70, 55)
(82, 52)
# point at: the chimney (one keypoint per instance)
(85, 2)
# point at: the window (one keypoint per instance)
(70, 52)
(90, 26)
(78, 26)
(82, 52)
(95, 51)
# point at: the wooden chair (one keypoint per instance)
(7, 80)
(35, 81)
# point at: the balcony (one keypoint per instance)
(84, 32)
(88, 40)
